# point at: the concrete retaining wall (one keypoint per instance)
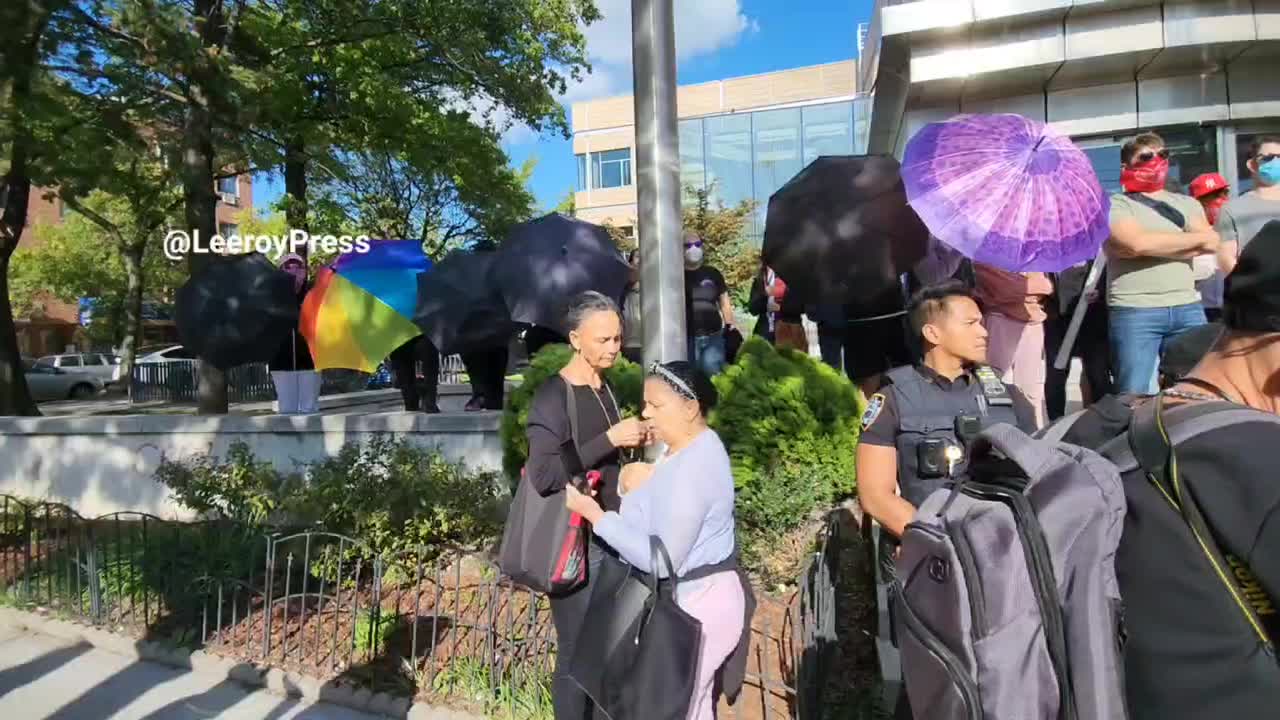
(105, 464)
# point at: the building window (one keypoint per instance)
(226, 230)
(727, 141)
(611, 169)
(693, 173)
(828, 130)
(776, 152)
(1192, 151)
(582, 172)
(229, 185)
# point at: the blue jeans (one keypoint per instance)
(1139, 336)
(706, 352)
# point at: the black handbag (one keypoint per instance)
(637, 652)
(544, 545)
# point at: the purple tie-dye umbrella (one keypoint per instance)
(1006, 191)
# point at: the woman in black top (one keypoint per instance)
(595, 332)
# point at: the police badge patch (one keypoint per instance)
(874, 406)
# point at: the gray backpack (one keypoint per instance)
(1006, 601)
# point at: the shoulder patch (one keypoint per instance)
(874, 406)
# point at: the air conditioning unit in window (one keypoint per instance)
(229, 199)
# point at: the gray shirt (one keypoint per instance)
(687, 503)
(1242, 218)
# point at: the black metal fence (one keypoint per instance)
(435, 622)
(177, 381)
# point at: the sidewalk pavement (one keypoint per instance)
(46, 678)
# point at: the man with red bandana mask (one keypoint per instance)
(1212, 191)
(1151, 292)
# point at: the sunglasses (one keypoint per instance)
(695, 244)
(1149, 155)
(1264, 159)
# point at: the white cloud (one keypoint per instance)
(703, 27)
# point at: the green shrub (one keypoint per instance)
(241, 487)
(625, 377)
(790, 424)
(395, 495)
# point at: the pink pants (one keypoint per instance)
(717, 602)
(1016, 350)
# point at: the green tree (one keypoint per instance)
(79, 258)
(568, 205)
(723, 230)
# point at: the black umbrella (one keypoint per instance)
(237, 310)
(545, 261)
(459, 309)
(841, 230)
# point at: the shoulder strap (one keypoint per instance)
(571, 406)
(1155, 451)
(1163, 209)
(1184, 423)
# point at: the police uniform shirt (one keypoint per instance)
(880, 421)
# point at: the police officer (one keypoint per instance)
(915, 431)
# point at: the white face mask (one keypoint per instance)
(693, 255)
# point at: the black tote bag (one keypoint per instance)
(637, 653)
(544, 545)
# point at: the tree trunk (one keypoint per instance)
(132, 311)
(197, 188)
(18, 68)
(295, 186)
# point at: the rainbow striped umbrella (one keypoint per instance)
(361, 307)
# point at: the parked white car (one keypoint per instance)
(50, 383)
(104, 366)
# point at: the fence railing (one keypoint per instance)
(432, 621)
(178, 381)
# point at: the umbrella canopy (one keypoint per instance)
(840, 231)
(458, 307)
(235, 310)
(361, 306)
(1007, 191)
(547, 260)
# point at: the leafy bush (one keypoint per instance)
(395, 495)
(390, 494)
(790, 424)
(241, 488)
(625, 377)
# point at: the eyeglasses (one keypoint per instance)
(1149, 155)
(1264, 159)
(694, 244)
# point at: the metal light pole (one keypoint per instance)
(658, 222)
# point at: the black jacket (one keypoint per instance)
(293, 353)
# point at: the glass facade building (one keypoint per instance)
(748, 156)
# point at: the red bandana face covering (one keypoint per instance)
(1145, 178)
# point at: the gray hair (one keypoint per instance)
(587, 303)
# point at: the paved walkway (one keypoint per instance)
(43, 678)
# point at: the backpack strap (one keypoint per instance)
(1154, 449)
(1163, 209)
(1055, 432)
(1183, 423)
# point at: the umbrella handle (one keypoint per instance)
(1077, 318)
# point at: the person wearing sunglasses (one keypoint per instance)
(707, 308)
(1243, 217)
(1155, 235)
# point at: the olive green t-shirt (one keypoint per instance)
(1150, 281)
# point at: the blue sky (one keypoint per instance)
(715, 39)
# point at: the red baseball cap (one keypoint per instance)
(1208, 183)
